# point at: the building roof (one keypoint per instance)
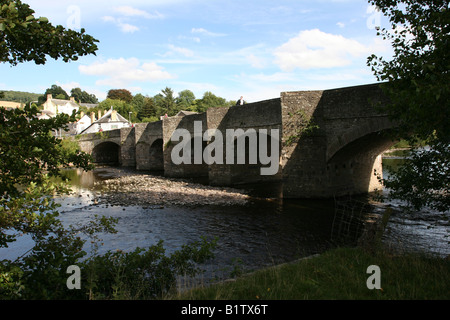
(107, 117)
(60, 102)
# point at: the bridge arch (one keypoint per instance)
(356, 168)
(156, 155)
(106, 153)
(363, 128)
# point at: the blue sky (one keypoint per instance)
(254, 48)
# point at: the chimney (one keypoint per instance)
(99, 114)
(81, 114)
(49, 97)
(114, 115)
(72, 99)
(92, 117)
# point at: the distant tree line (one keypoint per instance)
(145, 108)
(137, 108)
(19, 96)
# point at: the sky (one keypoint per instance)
(232, 48)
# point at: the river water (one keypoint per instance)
(261, 233)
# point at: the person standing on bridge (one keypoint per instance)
(240, 102)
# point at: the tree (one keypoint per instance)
(185, 100)
(29, 154)
(28, 149)
(120, 94)
(210, 100)
(83, 96)
(57, 93)
(148, 109)
(122, 107)
(165, 102)
(138, 102)
(23, 37)
(416, 80)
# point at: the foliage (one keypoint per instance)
(40, 272)
(19, 96)
(122, 107)
(27, 148)
(209, 100)
(143, 273)
(165, 102)
(150, 119)
(120, 94)
(431, 182)
(57, 93)
(185, 100)
(416, 81)
(83, 96)
(28, 152)
(23, 37)
(148, 109)
(138, 102)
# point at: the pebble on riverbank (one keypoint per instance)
(146, 190)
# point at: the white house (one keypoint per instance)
(52, 107)
(84, 122)
(111, 120)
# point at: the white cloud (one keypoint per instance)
(129, 11)
(121, 72)
(183, 51)
(316, 49)
(207, 33)
(127, 28)
(256, 62)
(124, 27)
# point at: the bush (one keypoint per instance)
(142, 273)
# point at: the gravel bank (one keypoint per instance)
(147, 190)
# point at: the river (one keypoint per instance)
(262, 232)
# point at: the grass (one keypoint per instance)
(338, 274)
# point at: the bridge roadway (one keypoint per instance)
(329, 143)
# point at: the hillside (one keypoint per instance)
(19, 96)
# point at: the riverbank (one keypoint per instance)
(340, 274)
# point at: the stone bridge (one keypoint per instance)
(320, 144)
